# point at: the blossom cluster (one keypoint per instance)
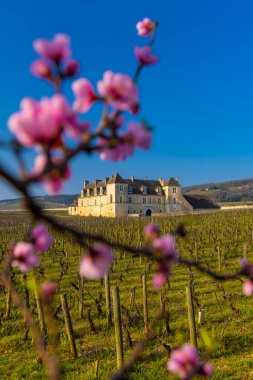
(99, 257)
(96, 261)
(185, 362)
(47, 291)
(23, 253)
(48, 125)
(247, 270)
(163, 248)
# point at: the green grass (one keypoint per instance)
(226, 335)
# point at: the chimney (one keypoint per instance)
(96, 181)
(161, 181)
(85, 183)
(132, 178)
(106, 180)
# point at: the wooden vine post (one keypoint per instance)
(145, 302)
(108, 299)
(24, 279)
(118, 328)
(132, 299)
(245, 251)
(191, 316)
(8, 304)
(201, 317)
(219, 258)
(96, 369)
(80, 303)
(196, 252)
(68, 324)
(40, 310)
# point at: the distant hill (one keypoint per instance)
(47, 201)
(229, 191)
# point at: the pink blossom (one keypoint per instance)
(56, 49)
(247, 269)
(85, 95)
(139, 135)
(162, 272)
(144, 55)
(41, 69)
(165, 246)
(23, 257)
(120, 91)
(47, 291)
(96, 262)
(248, 288)
(145, 27)
(152, 231)
(160, 277)
(206, 370)
(53, 184)
(39, 122)
(71, 69)
(119, 151)
(54, 181)
(41, 238)
(166, 256)
(185, 362)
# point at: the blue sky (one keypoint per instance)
(199, 98)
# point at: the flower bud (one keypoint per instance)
(152, 231)
(71, 69)
(41, 69)
(47, 291)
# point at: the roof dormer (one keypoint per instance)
(143, 189)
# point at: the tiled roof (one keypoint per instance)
(116, 178)
(172, 182)
(150, 184)
(136, 184)
(200, 202)
(91, 186)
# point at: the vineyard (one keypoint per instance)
(85, 312)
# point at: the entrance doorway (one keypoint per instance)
(148, 212)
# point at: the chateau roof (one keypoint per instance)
(116, 178)
(172, 182)
(94, 185)
(200, 202)
(136, 184)
(151, 186)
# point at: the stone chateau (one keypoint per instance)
(117, 196)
